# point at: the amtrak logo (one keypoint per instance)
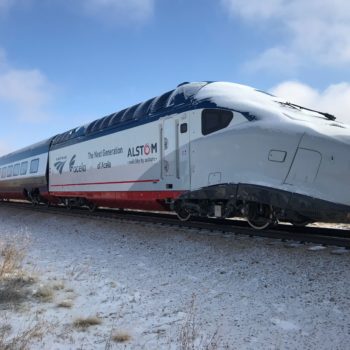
(60, 165)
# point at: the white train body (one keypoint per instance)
(217, 149)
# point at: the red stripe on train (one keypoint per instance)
(144, 200)
(106, 183)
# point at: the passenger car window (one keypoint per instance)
(215, 119)
(34, 165)
(16, 169)
(24, 168)
(3, 172)
(9, 170)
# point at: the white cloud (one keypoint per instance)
(26, 92)
(276, 59)
(335, 99)
(120, 10)
(317, 31)
(251, 9)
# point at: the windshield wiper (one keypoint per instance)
(292, 105)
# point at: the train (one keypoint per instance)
(209, 149)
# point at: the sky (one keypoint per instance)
(66, 63)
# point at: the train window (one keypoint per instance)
(214, 120)
(9, 170)
(56, 140)
(16, 169)
(183, 128)
(80, 131)
(129, 114)
(160, 102)
(34, 166)
(97, 126)
(183, 92)
(3, 172)
(24, 168)
(106, 121)
(66, 136)
(117, 118)
(142, 109)
(91, 126)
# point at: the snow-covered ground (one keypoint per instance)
(141, 279)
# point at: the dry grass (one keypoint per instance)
(13, 280)
(188, 331)
(11, 260)
(85, 322)
(22, 340)
(44, 293)
(121, 337)
(65, 304)
(189, 337)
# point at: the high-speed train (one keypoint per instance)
(214, 149)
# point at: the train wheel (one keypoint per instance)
(183, 214)
(259, 216)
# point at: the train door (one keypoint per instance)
(175, 153)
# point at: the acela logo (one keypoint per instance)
(71, 163)
(76, 168)
(59, 166)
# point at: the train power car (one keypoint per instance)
(203, 149)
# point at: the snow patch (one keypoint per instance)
(285, 325)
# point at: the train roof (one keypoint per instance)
(179, 99)
(184, 97)
(27, 152)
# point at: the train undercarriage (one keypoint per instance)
(261, 206)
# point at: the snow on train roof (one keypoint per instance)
(230, 95)
(244, 99)
(259, 104)
(239, 97)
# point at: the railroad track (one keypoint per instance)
(317, 235)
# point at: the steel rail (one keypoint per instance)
(323, 236)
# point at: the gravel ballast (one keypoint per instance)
(153, 283)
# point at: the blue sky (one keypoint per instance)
(63, 64)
